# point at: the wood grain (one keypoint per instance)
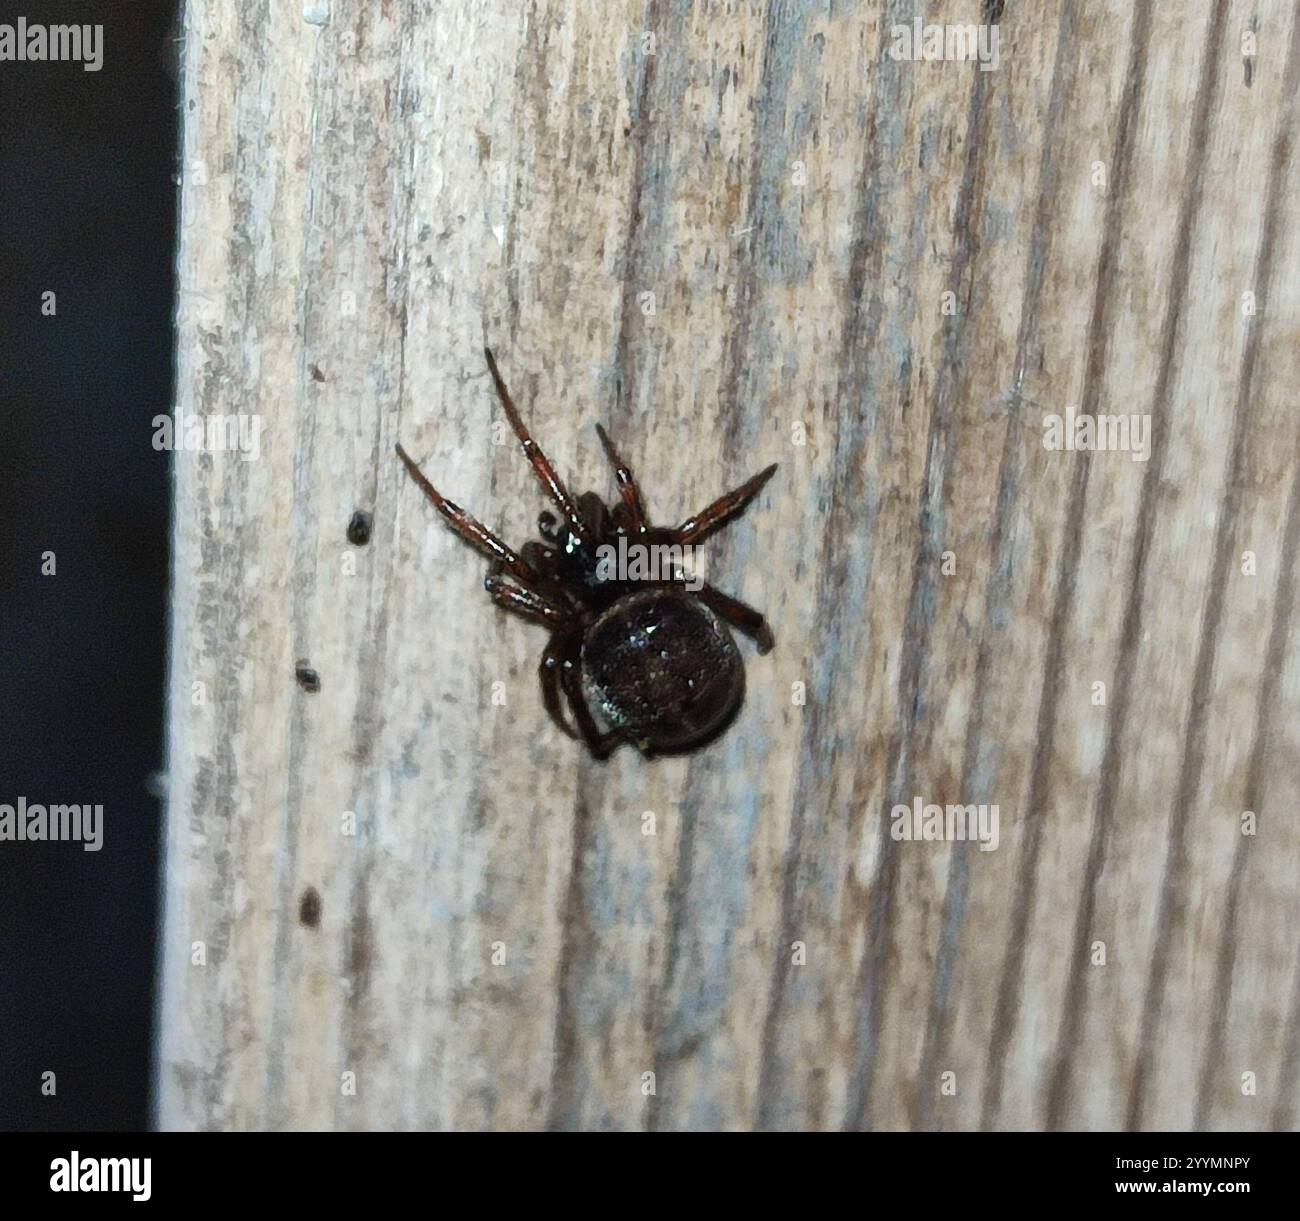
(740, 233)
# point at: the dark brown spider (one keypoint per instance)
(652, 654)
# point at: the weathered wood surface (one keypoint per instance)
(798, 203)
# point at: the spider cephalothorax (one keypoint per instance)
(651, 652)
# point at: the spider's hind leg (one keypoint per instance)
(742, 617)
(548, 672)
(600, 744)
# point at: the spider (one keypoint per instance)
(654, 656)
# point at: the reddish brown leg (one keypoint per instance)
(600, 744)
(549, 674)
(541, 464)
(526, 601)
(469, 527)
(742, 617)
(626, 482)
(696, 529)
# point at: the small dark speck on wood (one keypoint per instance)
(309, 907)
(307, 678)
(359, 528)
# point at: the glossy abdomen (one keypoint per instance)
(663, 668)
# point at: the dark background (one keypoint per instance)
(87, 210)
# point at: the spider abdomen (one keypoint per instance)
(662, 667)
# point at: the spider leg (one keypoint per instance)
(697, 528)
(742, 617)
(524, 600)
(626, 482)
(539, 557)
(600, 744)
(541, 464)
(543, 560)
(469, 527)
(549, 674)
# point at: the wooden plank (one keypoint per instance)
(740, 233)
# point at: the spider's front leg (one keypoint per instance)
(553, 484)
(469, 527)
(696, 529)
(523, 599)
(627, 487)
